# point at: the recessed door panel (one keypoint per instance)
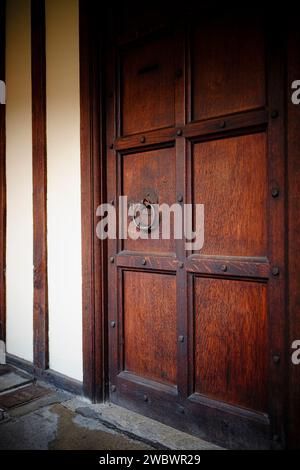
(230, 179)
(228, 64)
(147, 84)
(150, 172)
(231, 341)
(150, 325)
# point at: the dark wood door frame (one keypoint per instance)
(93, 192)
(293, 167)
(2, 183)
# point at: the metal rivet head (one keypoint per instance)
(112, 259)
(146, 398)
(179, 132)
(275, 271)
(144, 262)
(181, 264)
(276, 359)
(181, 338)
(143, 139)
(223, 268)
(113, 324)
(274, 114)
(275, 192)
(113, 388)
(180, 198)
(222, 124)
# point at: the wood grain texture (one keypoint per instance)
(147, 84)
(231, 159)
(230, 179)
(93, 189)
(145, 139)
(232, 175)
(228, 65)
(229, 266)
(130, 259)
(131, 22)
(149, 171)
(277, 293)
(150, 338)
(2, 183)
(230, 124)
(39, 174)
(293, 142)
(231, 341)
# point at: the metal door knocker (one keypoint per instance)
(145, 213)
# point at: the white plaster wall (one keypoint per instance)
(64, 205)
(19, 272)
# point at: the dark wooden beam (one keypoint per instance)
(92, 194)
(39, 169)
(293, 147)
(2, 182)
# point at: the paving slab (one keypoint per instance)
(58, 428)
(133, 424)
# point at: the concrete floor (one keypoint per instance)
(57, 427)
(63, 421)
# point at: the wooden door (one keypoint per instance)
(195, 115)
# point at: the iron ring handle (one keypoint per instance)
(138, 224)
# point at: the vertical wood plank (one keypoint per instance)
(113, 128)
(2, 182)
(276, 233)
(293, 147)
(39, 172)
(92, 194)
(182, 178)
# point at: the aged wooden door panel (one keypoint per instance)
(194, 115)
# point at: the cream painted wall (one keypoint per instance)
(19, 272)
(64, 205)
